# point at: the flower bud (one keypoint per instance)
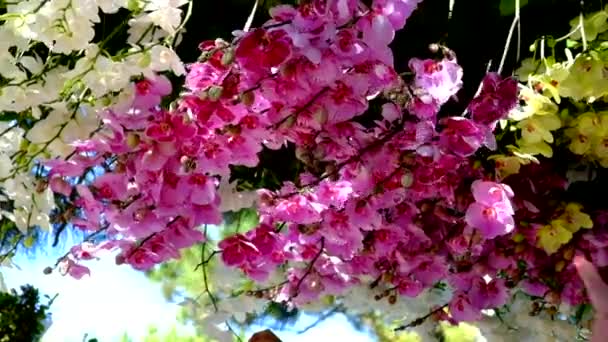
(24, 144)
(289, 121)
(309, 229)
(248, 98)
(133, 139)
(388, 277)
(568, 253)
(518, 237)
(188, 163)
(304, 155)
(41, 185)
(120, 167)
(133, 5)
(215, 92)
(553, 297)
(221, 43)
(228, 57)
(145, 60)
(321, 116)
(205, 55)
(407, 179)
(434, 48)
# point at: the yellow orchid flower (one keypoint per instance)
(540, 147)
(574, 219)
(507, 165)
(603, 126)
(579, 142)
(529, 67)
(593, 25)
(586, 79)
(600, 148)
(538, 128)
(588, 123)
(536, 104)
(552, 236)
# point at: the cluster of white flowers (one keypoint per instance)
(57, 74)
(31, 202)
(405, 309)
(517, 324)
(10, 142)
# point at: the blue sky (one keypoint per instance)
(114, 300)
(117, 299)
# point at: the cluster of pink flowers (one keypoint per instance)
(299, 79)
(401, 199)
(149, 192)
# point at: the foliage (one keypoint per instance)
(171, 336)
(22, 317)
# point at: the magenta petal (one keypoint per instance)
(462, 310)
(170, 197)
(161, 85)
(475, 217)
(534, 288)
(60, 186)
(411, 288)
(232, 257)
(497, 293)
(64, 168)
(78, 271)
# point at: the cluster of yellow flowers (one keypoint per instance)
(581, 79)
(560, 230)
(536, 120)
(588, 134)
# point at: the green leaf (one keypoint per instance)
(240, 222)
(22, 315)
(8, 116)
(134, 5)
(571, 43)
(29, 241)
(507, 7)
